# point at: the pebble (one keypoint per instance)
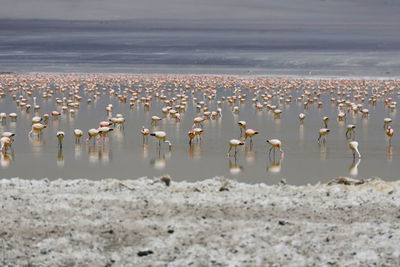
(144, 253)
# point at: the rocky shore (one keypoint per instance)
(216, 222)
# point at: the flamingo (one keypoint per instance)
(161, 136)
(350, 129)
(234, 143)
(323, 132)
(198, 121)
(250, 133)
(145, 132)
(386, 122)
(46, 118)
(302, 116)
(36, 119)
(119, 121)
(155, 119)
(105, 123)
(3, 117)
(93, 133)
(8, 134)
(275, 144)
(13, 116)
(5, 142)
(365, 112)
(60, 136)
(277, 113)
(389, 133)
(198, 131)
(169, 145)
(242, 125)
(55, 113)
(103, 131)
(78, 134)
(191, 135)
(341, 115)
(325, 120)
(37, 128)
(353, 145)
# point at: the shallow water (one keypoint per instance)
(123, 154)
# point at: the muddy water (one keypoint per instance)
(123, 154)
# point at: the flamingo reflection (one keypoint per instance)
(353, 169)
(234, 168)
(6, 159)
(60, 157)
(275, 144)
(323, 151)
(145, 150)
(160, 162)
(78, 151)
(389, 153)
(250, 154)
(99, 153)
(274, 166)
(195, 151)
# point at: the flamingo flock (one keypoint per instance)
(167, 98)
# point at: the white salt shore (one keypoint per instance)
(215, 222)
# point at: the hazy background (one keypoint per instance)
(331, 37)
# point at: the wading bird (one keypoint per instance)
(5, 142)
(154, 120)
(242, 126)
(161, 136)
(325, 120)
(389, 133)
(78, 134)
(302, 116)
(275, 144)
(191, 135)
(145, 132)
(353, 145)
(250, 133)
(93, 133)
(323, 132)
(234, 143)
(386, 122)
(350, 130)
(60, 136)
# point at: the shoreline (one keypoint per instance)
(213, 222)
(240, 74)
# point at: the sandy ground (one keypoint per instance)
(215, 222)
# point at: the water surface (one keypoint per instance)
(123, 154)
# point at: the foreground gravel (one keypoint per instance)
(215, 222)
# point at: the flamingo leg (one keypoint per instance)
(230, 148)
